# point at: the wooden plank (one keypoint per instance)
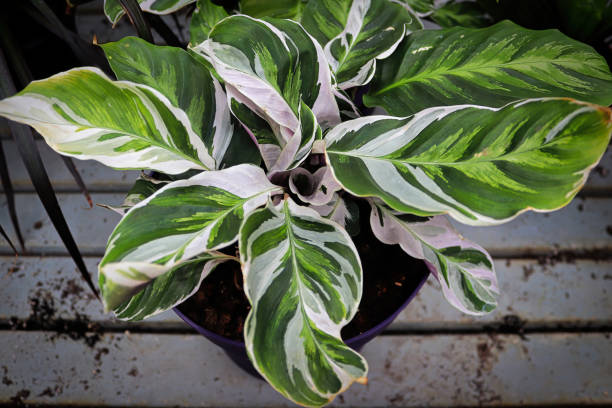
(186, 370)
(548, 295)
(96, 176)
(584, 225)
(563, 294)
(29, 285)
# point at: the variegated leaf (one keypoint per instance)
(182, 220)
(291, 9)
(141, 290)
(464, 269)
(203, 19)
(114, 11)
(354, 33)
(343, 210)
(303, 276)
(481, 165)
(276, 70)
(83, 114)
(190, 87)
(489, 66)
(315, 188)
(421, 7)
(461, 13)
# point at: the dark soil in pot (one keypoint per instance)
(389, 277)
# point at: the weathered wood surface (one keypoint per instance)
(584, 225)
(541, 296)
(171, 370)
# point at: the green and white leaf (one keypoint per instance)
(142, 290)
(189, 86)
(422, 8)
(125, 125)
(182, 220)
(461, 13)
(315, 188)
(203, 19)
(114, 11)
(464, 269)
(482, 166)
(303, 277)
(275, 69)
(490, 66)
(291, 9)
(343, 210)
(354, 33)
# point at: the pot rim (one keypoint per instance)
(217, 338)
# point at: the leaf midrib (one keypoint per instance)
(471, 161)
(469, 69)
(294, 263)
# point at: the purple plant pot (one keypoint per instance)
(236, 350)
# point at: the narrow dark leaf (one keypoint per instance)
(77, 177)
(134, 13)
(8, 239)
(10, 195)
(164, 31)
(24, 140)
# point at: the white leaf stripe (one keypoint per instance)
(464, 269)
(491, 66)
(114, 11)
(184, 219)
(355, 33)
(83, 114)
(292, 251)
(425, 163)
(169, 289)
(281, 75)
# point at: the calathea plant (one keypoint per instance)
(257, 132)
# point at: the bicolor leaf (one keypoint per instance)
(303, 277)
(182, 220)
(481, 165)
(114, 11)
(291, 9)
(490, 66)
(203, 19)
(190, 87)
(461, 13)
(276, 70)
(354, 33)
(464, 269)
(142, 290)
(83, 114)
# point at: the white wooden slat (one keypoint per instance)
(186, 370)
(583, 225)
(56, 284)
(563, 294)
(96, 176)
